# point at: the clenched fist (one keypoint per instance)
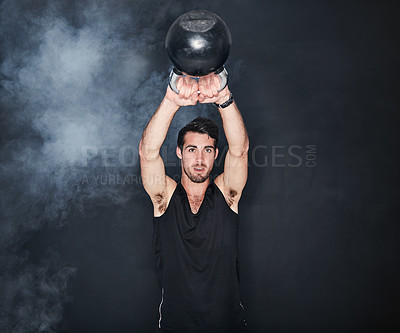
(188, 92)
(203, 91)
(208, 90)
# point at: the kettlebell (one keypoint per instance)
(198, 43)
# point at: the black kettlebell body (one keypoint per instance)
(198, 43)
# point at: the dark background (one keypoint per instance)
(318, 242)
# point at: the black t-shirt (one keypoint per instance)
(197, 265)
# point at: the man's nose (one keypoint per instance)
(199, 156)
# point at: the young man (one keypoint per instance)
(196, 220)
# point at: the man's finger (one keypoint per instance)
(179, 83)
(188, 90)
(182, 90)
(216, 85)
(201, 98)
(214, 90)
(194, 97)
(203, 85)
(195, 87)
(217, 81)
(209, 87)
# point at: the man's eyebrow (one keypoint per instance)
(193, 146)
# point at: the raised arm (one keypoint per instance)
(157, 185)
(236, 160)
(234, 177)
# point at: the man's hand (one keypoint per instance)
(209, 86)
(188, 92)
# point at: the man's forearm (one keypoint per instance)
(235, 130)
(157, 129)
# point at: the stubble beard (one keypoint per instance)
(196, 178)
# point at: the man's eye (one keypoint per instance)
(209, 150)
(191, 150)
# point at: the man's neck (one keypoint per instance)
(192, 188)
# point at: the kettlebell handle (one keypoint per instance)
(175, 74)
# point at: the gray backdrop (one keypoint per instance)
(316, 84)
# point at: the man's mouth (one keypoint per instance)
(199, 169)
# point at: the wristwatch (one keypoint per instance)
(225, 104)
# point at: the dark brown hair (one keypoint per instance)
(199, 125)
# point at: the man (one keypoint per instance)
(196, 220)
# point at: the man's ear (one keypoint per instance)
(216, 153)
(179, 152)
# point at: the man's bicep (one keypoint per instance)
(153, 176)
(235, 171)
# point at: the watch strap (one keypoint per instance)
(225, 104)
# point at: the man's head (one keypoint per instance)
(197, 148)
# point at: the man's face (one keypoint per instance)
(197, 155)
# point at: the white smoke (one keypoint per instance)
(74, 77)
(63, 88)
